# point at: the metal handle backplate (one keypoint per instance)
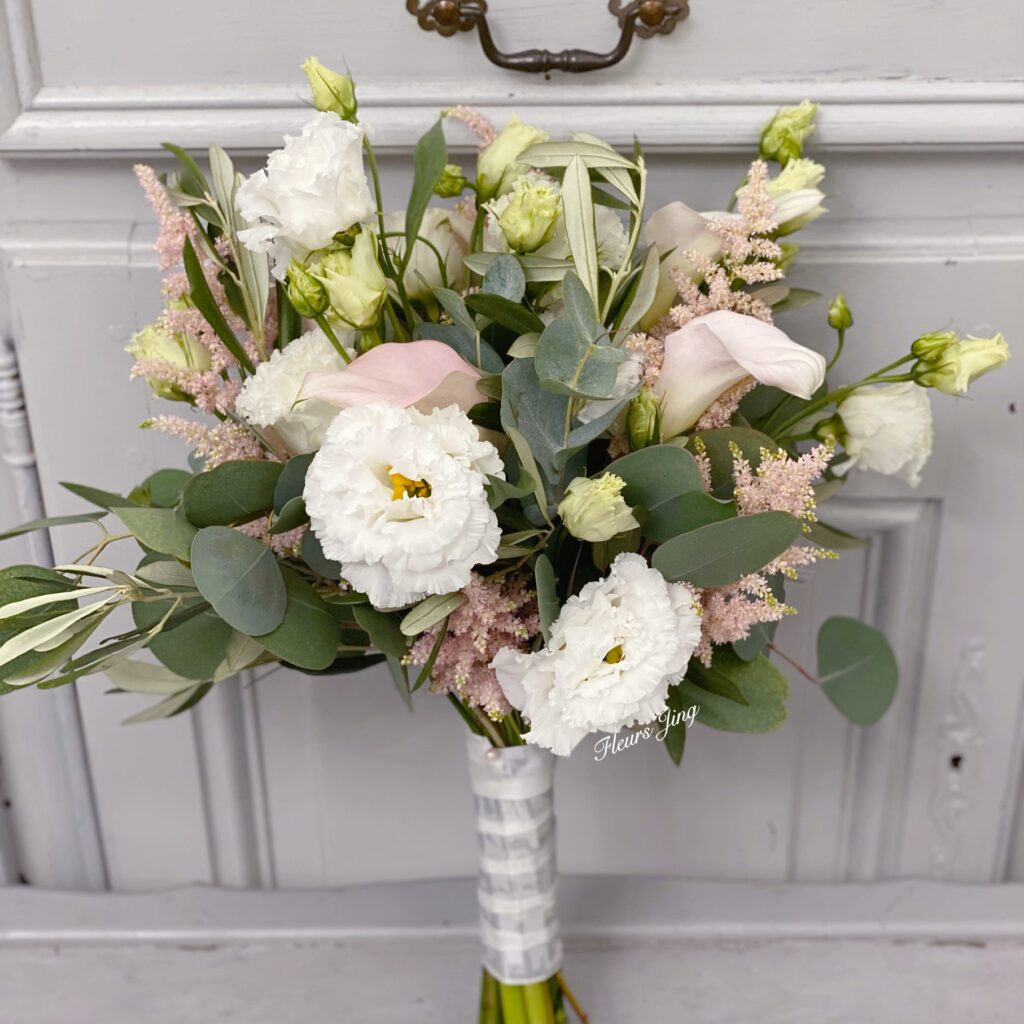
(643, 18)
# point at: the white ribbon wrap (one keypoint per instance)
(518, 879)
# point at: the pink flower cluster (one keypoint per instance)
(779, 484)
(496, 614)
(214, 444)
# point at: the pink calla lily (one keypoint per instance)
(426, 374)
(710, 354)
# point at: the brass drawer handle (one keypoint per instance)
(643, 18)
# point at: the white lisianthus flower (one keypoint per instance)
(312, 189)
(270, 398)
(615, 650)
(177, 350)
(397, 497)
(440, 228)
(887, 428)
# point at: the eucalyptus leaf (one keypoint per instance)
(231, 493)
(655, 476)
(191, 648)
(291, 517)
(504, 278)
(717, 445)
(505, 312)
(383, 629)
(163, 488)
(721, 553)
(856, 669)
(308, 634)
(241, 579)
(313, 555)
(160, 529)
(292, 481)
(760, 683)
(536, 269)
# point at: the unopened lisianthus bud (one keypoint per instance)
(498, 165)
(305, 292)
(643, 421)
(356, 286)
(529, 219)
(332, 91)
(839, 316)
(931, 347)
(155, 343)
(594, 510)
(451, 183)
(962, 363)
(783, 137)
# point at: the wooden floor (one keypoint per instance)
(896, 954)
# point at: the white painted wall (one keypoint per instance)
(304, 782)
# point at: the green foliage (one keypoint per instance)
(313, 555)
(856, 669)
(45, 524)
(195, 647)
(308, 634)
(20, 582)
(430, 611)
(163, 488)
(721, 553)
(761, 633)
(656, 478)
(383, 629)
(504, 278)
(548, 605)
(761, 684)
(832, 537)
(231, 493)
(95, 496)
(675, 735)
(428, 162)
(241, 579)
(291, 517)
(160, 529)
(504, 311)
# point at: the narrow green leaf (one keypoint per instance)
(95, 496)
(562, 154)
(832, 537)
(675, 735)
(578, 213)
(45, 524)
(202, 299)
(430, 611)
(505, 312)
(536, 269)
(547, 594)
(428, 163)
(383, 629)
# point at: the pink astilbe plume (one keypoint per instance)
(779, 484)
(222, 442)
(720, 412)
(474, 121)
(175, 225)
(496, 615)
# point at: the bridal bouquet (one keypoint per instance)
(540, 451)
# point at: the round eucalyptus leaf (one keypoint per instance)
(856, 669)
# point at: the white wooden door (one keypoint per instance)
(293, 781)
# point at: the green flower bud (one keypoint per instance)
(839, 316)
(177, 351)
(356, 286)
(498, 165)
(962, 363)
(332, 92)
(930, 347)
(594, 510)
(528, 221)
(305, 292)
(643, 421)
(367, 340)
(783, 137)
(451, 183)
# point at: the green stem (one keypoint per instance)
(490, 1012)
(513, 1008)
(371, 159)
(841, 332)
(537, 1002)
(321, 322)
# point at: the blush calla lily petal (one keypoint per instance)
(427, 374)
(710, 354)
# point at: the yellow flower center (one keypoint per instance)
(614, 656)
(403, 487)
